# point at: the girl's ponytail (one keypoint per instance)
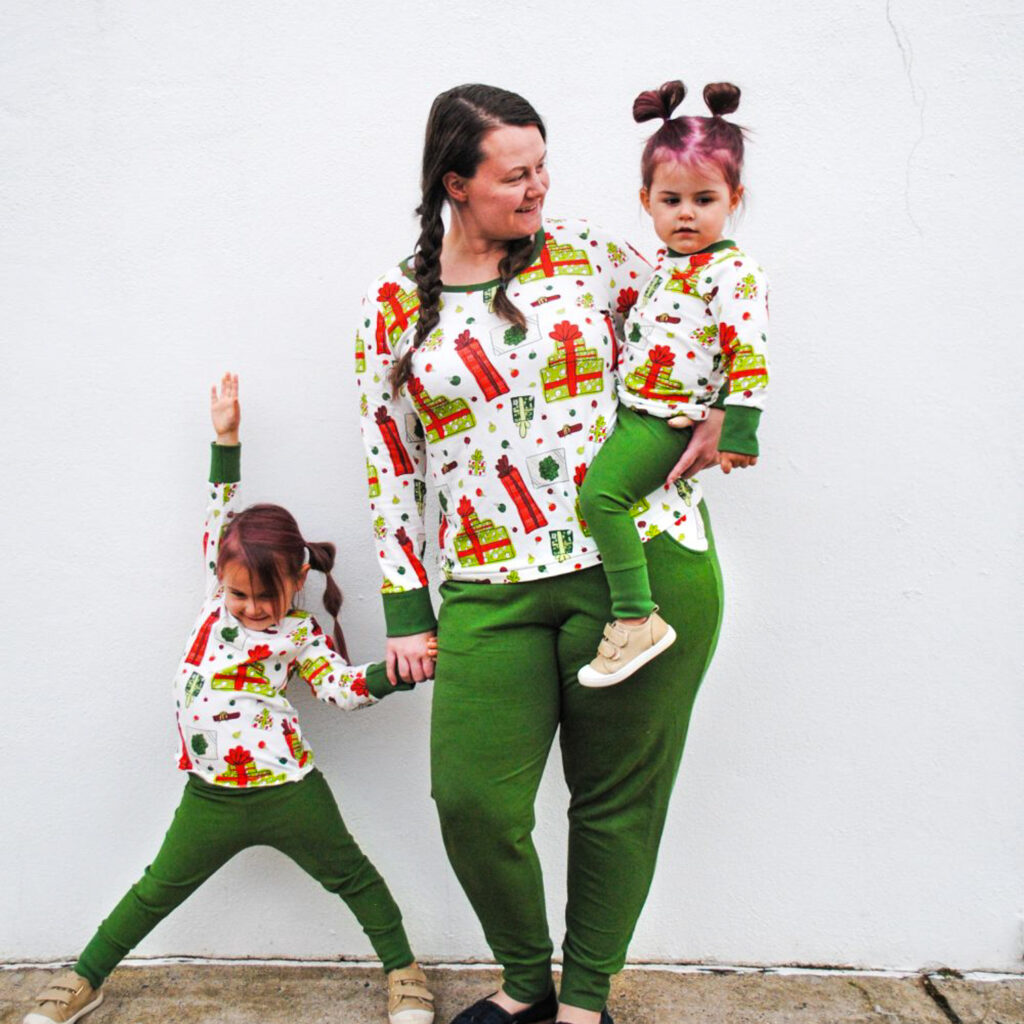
(721, 98)
(321, 558)
(659, 102)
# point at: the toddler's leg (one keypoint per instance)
(634, 461)
(308, 827)
(199, 841)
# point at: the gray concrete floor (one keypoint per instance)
(260, 994)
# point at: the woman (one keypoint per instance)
(484, 363)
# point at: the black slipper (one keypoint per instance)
(486, 1012)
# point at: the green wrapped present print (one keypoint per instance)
(360, 353)
(748, 371)
(373, 479)
(480, 542)
(557, 261)
(192, 687)
(561, 543)
(573, 369)
(441, 417)
(249, 677)
(522, 412)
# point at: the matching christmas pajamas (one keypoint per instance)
(251, 777)
(505, 422)
(699, 329)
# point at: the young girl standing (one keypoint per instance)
(698, 328)
(251, 779)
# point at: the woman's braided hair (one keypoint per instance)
(459, 119)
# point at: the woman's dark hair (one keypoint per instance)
(692, 140)
(458, 121)
(266, 540)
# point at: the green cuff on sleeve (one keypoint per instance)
(377, 681)
(739, 432)
(409, 611)
(225, 463)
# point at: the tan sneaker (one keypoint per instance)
(624, 649)
(67, 997)
(409, 999)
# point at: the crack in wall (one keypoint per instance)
(940, 1000)
(918, 97)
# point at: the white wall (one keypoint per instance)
(191, 186)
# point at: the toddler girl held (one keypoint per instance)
(251, 778)
(697, 330)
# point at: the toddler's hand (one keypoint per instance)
(225, 411)
(734, 460)
(432, 647)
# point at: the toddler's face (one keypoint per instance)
(689, 205)
(254, 607)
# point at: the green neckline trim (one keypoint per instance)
(538, 244)
(722, 243)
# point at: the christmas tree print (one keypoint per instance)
(514, 335)
(746, 287)
(488, 379)
(572, 369)
(549, 469)
(512, 480)
(480, 542)
(616, 256)
(598, 430)
(441, 416)
(557, 260)
(264, 720)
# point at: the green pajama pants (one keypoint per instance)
(211, 825)
(632, 463)
(505, 683)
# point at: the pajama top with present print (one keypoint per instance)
(236, 726)
(700, 325)
(503, 421)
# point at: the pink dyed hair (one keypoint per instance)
(266, 540)
(692, 140)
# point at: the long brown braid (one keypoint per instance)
(458, 121)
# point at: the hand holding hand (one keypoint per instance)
(702, 451)
(410, 659)
(225, 411)
(734, 460)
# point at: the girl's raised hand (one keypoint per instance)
(225, 411)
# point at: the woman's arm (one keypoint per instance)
(396, 472)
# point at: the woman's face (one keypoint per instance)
(505, 198)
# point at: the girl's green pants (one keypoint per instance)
(211, 825)
(631, 464)
(505, 685)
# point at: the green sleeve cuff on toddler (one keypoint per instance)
(225, 463)
(377, 681)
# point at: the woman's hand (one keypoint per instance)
(702, 451)
(225, 411)
(410, 659)
(734, 460)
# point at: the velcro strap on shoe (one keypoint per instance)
(614, 633)
(408, 988)
(62, 994)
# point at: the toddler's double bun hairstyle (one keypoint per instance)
(687, 139)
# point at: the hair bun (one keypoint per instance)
(721, 97)
(658, 102)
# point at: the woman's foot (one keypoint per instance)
(503, 1009)
(409, 999)
(67, 998)
(625, 648)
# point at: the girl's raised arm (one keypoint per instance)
(225, 411)
(225, 470)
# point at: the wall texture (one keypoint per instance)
(190, 186)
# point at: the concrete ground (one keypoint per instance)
(261, 994)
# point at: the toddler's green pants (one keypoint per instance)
(505, 684)
(631, 464)
(211, 825)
